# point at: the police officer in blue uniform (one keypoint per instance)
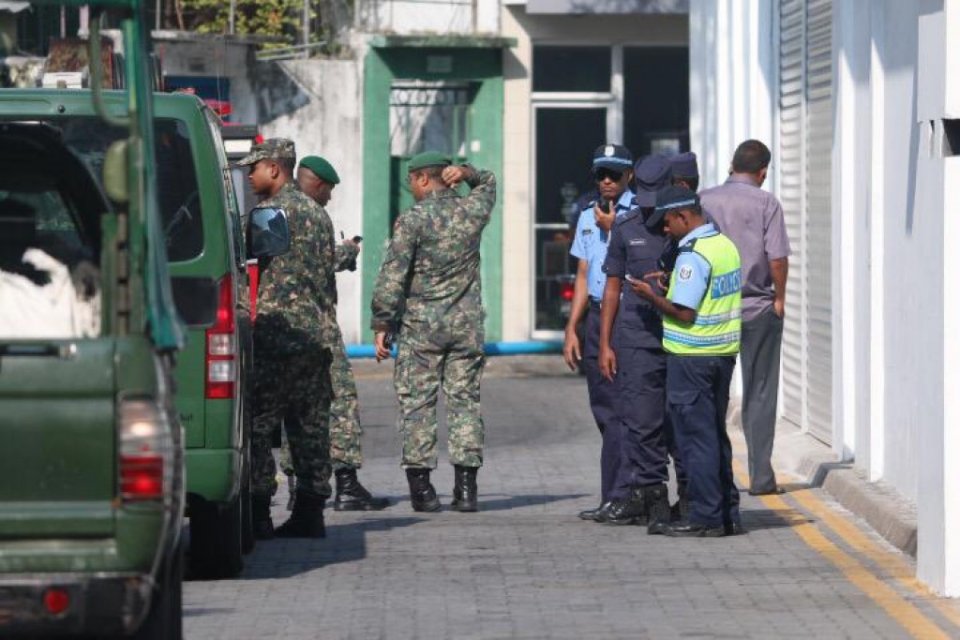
(632, 357)
(701, 333)
(612, 171)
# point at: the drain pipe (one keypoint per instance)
(491, 349)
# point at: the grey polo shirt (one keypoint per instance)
(753, 219)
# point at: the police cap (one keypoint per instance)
(671, 198)
(612, 156)
(429, 159)
(651, 174)
(321, 168)
(685, 165)
(269, 149)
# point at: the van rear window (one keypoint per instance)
(179, 198)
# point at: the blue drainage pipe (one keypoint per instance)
(491, 348)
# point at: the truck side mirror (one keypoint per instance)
(115, 166)
(269, 233)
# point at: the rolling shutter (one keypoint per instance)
(806, 140)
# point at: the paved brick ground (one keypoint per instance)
(525, 567)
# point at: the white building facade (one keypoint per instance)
(860, 103)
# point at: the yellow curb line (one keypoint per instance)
(886, 560)
(907, 615)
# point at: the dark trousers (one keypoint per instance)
(760, 365)
(602, 404)
(640, 402)
(698, 392)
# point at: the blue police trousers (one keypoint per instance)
(641, 406)
(602, 405)
(698, 392)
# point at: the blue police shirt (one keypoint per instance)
(590, 244)
(692, 271)
(635, 250)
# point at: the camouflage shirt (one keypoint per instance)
(432, 265)
(297, 290)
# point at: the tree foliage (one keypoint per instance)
(277, 18)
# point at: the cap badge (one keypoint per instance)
(608, 151)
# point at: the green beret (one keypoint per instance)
(429, 159)
(323, 169)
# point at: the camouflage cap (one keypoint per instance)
(269, 149)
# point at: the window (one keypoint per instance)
(571, 69)
(177, 189)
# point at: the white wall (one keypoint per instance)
(330, 125)
(408, 17)
(732, 81)
(896, 209)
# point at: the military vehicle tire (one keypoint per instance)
(216, 546)
(165, 618)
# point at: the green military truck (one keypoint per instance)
(91, 506)
(202, 237)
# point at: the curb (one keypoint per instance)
(890, 514)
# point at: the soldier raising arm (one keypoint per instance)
(428, 291)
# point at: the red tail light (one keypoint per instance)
(566, 291)
(141, 477)
(146, 451)
(56, 601)
(221, 348)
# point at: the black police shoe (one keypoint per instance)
(423, 497)
(733, 529)
(687, 529)
(630, 510)
(591, 514)
(603, 512)
(464, 489)
(353, 496)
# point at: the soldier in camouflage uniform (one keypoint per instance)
(428, 291)
(294, 330)
(317, 178)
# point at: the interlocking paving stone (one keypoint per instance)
(525, 566)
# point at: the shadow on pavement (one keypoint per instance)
(756, 519)
(527, 500)
(284, 558)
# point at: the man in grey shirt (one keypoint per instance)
(753, 219)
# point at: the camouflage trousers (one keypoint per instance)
(345, 430)
(426, 362)
(294, 388)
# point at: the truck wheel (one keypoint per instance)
(165, 619)
(215, 539)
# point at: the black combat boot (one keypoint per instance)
(464, 489)
(423, 497)
(306, 521)
(262, 524)
(680, 509)
(630, 510)
(353, 496)
(658, 508)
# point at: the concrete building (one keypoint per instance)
(861, 101)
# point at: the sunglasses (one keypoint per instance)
(602, 174)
